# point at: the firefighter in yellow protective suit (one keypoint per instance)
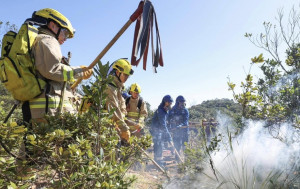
(51, 68)
(136, 111)
(121, 71)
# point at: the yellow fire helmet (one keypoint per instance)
(57, 17)
(135, 88)
(123, 66)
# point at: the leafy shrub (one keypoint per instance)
(70, 151)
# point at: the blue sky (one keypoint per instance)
(203, 41)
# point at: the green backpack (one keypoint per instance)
(17, 67)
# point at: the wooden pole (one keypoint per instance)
(176, 152)
(104, 51)
(154, 162)
(132, 18)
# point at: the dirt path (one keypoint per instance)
(149, 176)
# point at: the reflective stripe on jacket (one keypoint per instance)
(53, 102)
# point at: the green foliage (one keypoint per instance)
(208, 109)
(70, 151)
(5, 95)
(249, 98)
(9, 102)
(198, 151)
(3, 91)
(258, 59)
(149, 117)
(275, 96)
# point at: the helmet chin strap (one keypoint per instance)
(118, 76)
(58, 32)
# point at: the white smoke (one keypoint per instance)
(256, 156)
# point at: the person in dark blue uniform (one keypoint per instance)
(179, 123)
(159, 127)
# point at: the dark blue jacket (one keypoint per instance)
(178, 117)
(159, 120)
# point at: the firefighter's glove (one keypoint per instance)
(87, 73)
(125, 135)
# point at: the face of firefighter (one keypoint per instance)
(63, 35)
(123, 77)
(134, 95)
(181, 105)
(168, 105)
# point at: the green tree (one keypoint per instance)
(209, 109)
(276, 95)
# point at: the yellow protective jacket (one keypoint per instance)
(48, 60)
(135, 114)
(116, 101)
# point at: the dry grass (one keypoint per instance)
(147, 180)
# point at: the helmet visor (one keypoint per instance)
(66, 33)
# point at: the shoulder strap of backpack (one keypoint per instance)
(127, 100)
(140, 103)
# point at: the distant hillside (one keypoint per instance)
(208, 109)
